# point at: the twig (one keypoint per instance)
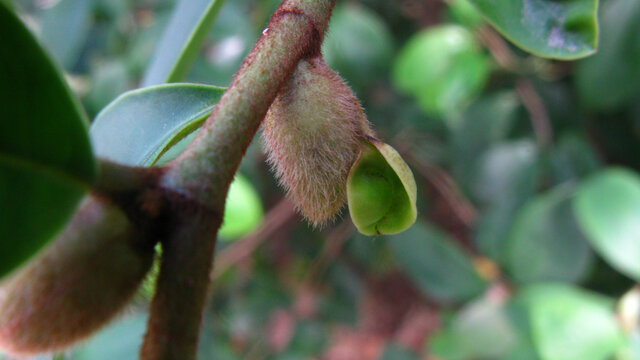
(197, 182)
(441, 181)
(537, 112)
(332, 247)
(236, 252)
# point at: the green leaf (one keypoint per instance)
(568, 323)
(486, 122)
(507, 177)
(607, 208)
(480, 330)
(572, 159)
(358, 45)
(558, 29)
(545, 243)
(381, 191)
(138, 126)
(464, 13)
(612, 76)
(64, 28)
(443, 67)
(46, 162)
(181, 42)
(243, 209)
(439, 268)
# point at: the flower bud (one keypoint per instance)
(75, 285)
(312, 134)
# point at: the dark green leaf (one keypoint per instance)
(486, 122)
(46, 162)
(569, 323)
(439, 268)
(612, 76)
(545, 243)
(140, 125)
(572, 159)
(607, 208)
(557, 29)
(506, 178)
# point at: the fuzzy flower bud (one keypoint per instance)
(76, 285)
(312, 136)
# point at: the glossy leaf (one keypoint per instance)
(381, 191)
(46, 162)
(569, 323)
(443, 67)
(138, 126)
(545, 242)
(607, 207)
(439, 268)
(182, 39)
(611, 77)
(555, 29)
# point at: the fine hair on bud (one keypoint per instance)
(312, 135)
(79, 282)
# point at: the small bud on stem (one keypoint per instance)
(312, 135)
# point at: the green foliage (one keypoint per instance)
(569, 323)
(438, 267)
(548, 28)
(545, 243)
(482, 328)
(181, 42)
(358, 46)
(608, 210)
(243, 211)
(46, 162)
(140, 125)
(527, 178)
(442, 67)
(611, 77)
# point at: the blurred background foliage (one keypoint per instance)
(528, 239)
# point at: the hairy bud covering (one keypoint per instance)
(312, 136)
(78, 283)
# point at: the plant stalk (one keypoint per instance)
(196, 183)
